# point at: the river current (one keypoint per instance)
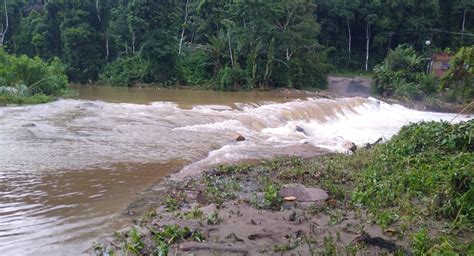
(69, 168)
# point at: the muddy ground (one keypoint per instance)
(241, 210)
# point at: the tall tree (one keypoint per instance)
(3, 29)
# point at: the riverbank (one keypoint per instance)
(373, 201)
(359, 86)
(11, 100)
(338, 86)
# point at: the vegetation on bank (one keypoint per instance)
(403, 75)
(25, 80)
(227, 45)
(418, 188)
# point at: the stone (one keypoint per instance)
(303, 194)
(300, 129)
(240, 138)
(350, 146)
(29, 125)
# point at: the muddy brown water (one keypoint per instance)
(69, 168)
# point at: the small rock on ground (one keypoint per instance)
(303, 194)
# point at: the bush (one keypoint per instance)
(229, 79)
(402, 75)
(23, 76)
(194, 68)
(430, 163)
(458, 81)
(308, 71)
(126, 71)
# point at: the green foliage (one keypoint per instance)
(229, 79)
(269, 44)
(271, 196)
(171, 204)
(195, 68)
(460, 76)
(213, 218)
(420, 242)
(171, 234)
(127, 71)
(195, 213)
(133, 244)
(401, 74)
(15, 99)
(24, 79)
(430, 163)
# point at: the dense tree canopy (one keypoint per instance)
(227, 44)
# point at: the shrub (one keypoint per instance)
(431, 162)
(23, 76)
(401, 74)
(126, 71)
(458, 81)
(194, 68)
(308, 71)
(229, 79)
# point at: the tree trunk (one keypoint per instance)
(350, 42)
(97, 10)
(463, 23)
(4, 32)
(107, 49)
(230, 49)
(389, 44)
(367, 30)
(133, 42)
(184, 27)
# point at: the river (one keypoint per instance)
(69, 168)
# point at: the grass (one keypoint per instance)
(21, 100)
(424, 175)
(171, 234)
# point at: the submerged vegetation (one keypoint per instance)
(25, 80)
(417, 189)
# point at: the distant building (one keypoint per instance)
(440, 63)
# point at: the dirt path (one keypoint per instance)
(349, 86)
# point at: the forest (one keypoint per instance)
(228, 45)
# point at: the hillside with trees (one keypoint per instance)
(228, 45)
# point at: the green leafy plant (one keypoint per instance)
(171, 234)
(401, 74)
(30, 80)
(431, 162)
(133, 243)
(271, 196)
(459, 79)
(126, 71)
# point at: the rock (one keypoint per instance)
(300, 129)
(29, 125)
(292, 216)
(350, 146)
(303, 194)
(240, 138)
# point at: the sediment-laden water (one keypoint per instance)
(68, 168)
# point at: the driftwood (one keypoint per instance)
(369, 145)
